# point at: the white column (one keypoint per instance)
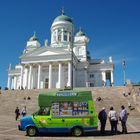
(30, 77)
(62, 35)
(12, 85)
(39, 75)
(59, 75)
(52, 34)
(50, 75)
(86, 77)
(68, 37)
(74, 77)
(8, 83)
(27, 74)
(103, 78)
(15, 82)
(69, 74)
(21, 76)
(56, 35)
(111, 78)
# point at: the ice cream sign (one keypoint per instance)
(66, 94)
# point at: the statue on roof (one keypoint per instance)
(46, 43)
(62, 11)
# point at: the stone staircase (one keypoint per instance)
(111, 96)
(10, 99)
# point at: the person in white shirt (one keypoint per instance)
(113, 117)
(123, 119)
(23, 111)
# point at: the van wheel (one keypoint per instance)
(77, 131)
(31, 131)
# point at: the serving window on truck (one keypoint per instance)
(69, 108)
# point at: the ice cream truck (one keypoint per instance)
(62, 112)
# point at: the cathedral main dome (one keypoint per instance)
(63, 18)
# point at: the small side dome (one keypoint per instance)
(80, 33)
(33, 38)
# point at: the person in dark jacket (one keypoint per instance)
(17, 113)
(102, 117)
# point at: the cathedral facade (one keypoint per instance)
(66, 62)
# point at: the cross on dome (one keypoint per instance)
(62, 11)
(34, 34)
(80, 28)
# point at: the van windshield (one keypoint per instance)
(44, 111)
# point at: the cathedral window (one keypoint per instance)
(70, 37)
(65, 36)
(59, 37)
(54, 36)
(91, 75)
(91, 84)
(80, 51)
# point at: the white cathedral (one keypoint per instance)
(66, 62)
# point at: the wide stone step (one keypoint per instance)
(112, 96)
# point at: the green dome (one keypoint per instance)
(33, 38)
(80, 33)
(63, 18)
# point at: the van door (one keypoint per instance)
(43, 118)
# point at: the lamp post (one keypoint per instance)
(124, 68)
(72, 65)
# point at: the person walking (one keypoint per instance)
(113, 117)
(102, 117)
(123, 119)
(23, 111)
(17, 113)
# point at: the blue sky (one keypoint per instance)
(113, 27)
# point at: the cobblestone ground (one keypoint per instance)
(9, 131)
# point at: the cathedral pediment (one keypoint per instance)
(46, 52)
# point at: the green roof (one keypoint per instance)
(46, 99)
(80, 33)
(33, 38)
(63, 18)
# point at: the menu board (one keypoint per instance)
(70, 109)
(55, 109)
